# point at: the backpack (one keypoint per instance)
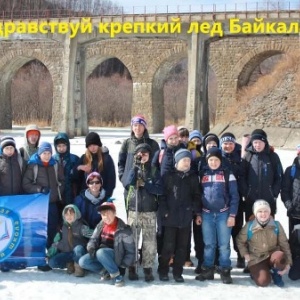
(35, 172)
(250, 232)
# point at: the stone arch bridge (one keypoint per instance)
(149, 58)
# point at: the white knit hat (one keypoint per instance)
(260, 204)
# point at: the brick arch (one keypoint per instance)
(244, 68)
(96, 54)
(10, 63)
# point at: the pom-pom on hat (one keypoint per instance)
(144, 148)
(93, 175)
(214, 151)
(107, 206)
(260, 204)
(182, 153)
(93, 138)
(169, 131)
(259, 134)
(44, 146)
(227, 137)
(7, 141)
(139, 119)
(195, 134)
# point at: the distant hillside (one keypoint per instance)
(272, 100)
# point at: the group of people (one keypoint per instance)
(188, 186)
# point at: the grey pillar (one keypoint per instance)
(197, 116)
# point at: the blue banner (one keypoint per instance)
(23, 230)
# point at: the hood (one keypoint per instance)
(62, 136)
(35, 159)
(28, 128)
(77, 212)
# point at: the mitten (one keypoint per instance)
(92, 252)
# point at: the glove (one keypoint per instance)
(45, 190)
(92, 252)
(52, 251)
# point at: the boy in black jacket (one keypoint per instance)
(180, 201)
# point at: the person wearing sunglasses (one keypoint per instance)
(90, 199)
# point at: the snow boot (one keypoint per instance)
(132, 275)
(70, 268)
(148, 274)
(206, 274)
(225, 275)
(277, 278)
(79, 272)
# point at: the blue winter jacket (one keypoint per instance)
(219, 196)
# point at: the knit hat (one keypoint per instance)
(44, 146)
(298, 149)
(7, 141)
(260, 204)
(169, 131)
(107, 206)
(259, 134)
(195, 134)
(214, 151)
(139, 119)
(92, 138)
(227, 137)
(94, 175)
(182, 153)
(142, 148)
(210, 138)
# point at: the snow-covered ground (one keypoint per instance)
(56, 284)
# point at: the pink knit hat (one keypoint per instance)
(170, 130)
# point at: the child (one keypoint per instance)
(42, 177)
(111, 247)
(96, 159)
(90, 199)
(294, 273)
(144, 186)
(196, 137)
(220, 204)
(180, 201)
(31, 141)
(290, 191)
(70, 243)
(12, 167)
(67, 162)
(265, 247)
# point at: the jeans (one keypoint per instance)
(60, 260)
(216, 232)
(104, 259)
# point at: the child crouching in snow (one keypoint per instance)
(70, 243)
(111, 248)
(265, 247)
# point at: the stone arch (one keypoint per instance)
(244, 68)
(12, 61)
(162, 66)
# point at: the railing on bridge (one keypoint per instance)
(72, 8)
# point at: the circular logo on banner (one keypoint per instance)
(10, 232)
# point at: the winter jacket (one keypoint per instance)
(290, 190)
(263, 243)
(262, 175)
(126, 154)
(181, 198)
(108, 173)
(28, 150)
(219, 195)
(88, 209)
(11, 171)
(163, 159)
(145, 195)
(124, 245)
(73, 234)
(68, 161)
(46, 177)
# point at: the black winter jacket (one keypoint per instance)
(181, 199)
(290, 191)
(147, 195)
